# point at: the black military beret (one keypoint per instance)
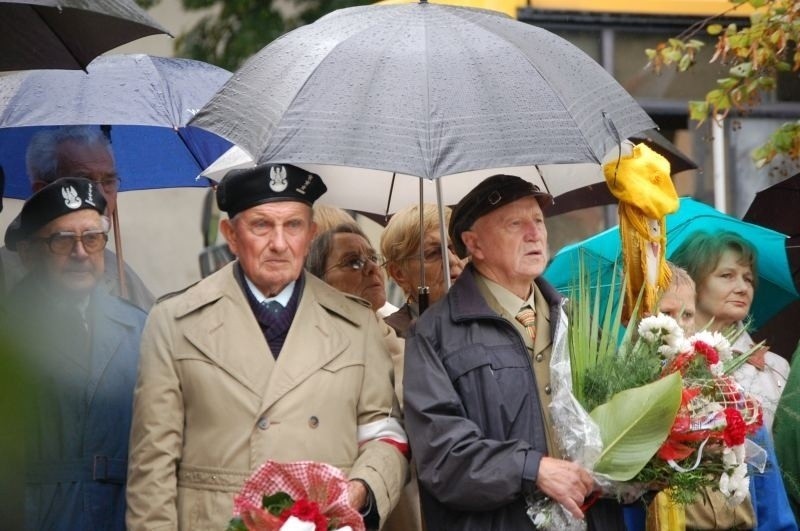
(265, 183)
(61, 197)
(490, 194)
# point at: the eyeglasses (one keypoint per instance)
(357, 263)
(109, 184)
(431, 254)
(63, 243)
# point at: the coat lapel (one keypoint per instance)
(312, 342)
(109, 326)
(220, 324)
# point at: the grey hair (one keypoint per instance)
(41, 158)
(322, 246)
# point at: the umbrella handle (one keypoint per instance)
(123, 283)
(422, 299)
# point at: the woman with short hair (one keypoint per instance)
(400, 245)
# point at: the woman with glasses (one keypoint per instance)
(344, 258)
(400, 244)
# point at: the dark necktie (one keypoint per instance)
(273, 307)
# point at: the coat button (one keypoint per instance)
(547, 389)
(313, 422)
(539, 357)
(263, 423)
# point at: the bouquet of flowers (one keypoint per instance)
(654, 411)
(298, 496)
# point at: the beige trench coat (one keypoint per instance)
(212, 404)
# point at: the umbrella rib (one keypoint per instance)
(58, 36)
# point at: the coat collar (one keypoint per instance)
(466, 301)
(223, 327)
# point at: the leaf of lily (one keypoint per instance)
(634, 424)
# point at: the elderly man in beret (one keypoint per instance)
(261, 361)
(477, 379)
(78, 151)
(82, 346)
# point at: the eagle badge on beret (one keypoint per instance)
(277, 179)
(71, 198)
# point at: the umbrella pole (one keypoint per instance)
(123, 284)
(443, 236)
(422, 289)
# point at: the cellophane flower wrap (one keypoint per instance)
(653, 410)
(296, 496)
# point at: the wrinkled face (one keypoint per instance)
(92, 162)
(407, 271)
(271, 242)
(679, 303)
(77, 272)
(509, 245)
(726, 293)
(366, 282)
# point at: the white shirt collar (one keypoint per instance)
(282, 297)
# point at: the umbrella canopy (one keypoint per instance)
(146, 100)
(601, 252)
(421, 90)
(67, 33)
(776, 207)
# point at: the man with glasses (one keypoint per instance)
(79, 151)
(261, 361)
(82, 346)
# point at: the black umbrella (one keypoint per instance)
(776, 207)
(780, 332)
(67, 34)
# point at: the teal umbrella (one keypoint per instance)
(601, 252)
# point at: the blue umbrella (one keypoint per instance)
(601, 252)
(145, 100)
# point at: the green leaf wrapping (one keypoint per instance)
(634, 424)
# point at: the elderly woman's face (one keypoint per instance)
(408, 273)
(366, 282)
(726, 293)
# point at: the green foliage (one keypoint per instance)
(236, 524)
(240, 28)
(590, 342)
(755, 53)
(147, 4)
(634, 424)
(277, 503)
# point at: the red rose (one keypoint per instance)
(736, 428)
(307, 511)
(711, 354)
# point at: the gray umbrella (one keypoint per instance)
(383, 93)
(67, 34)
(424, 90)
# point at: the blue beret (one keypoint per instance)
(490, 194)
(61, 197)
(266, 183)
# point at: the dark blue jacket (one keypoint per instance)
(77, 440)
(473, 415)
